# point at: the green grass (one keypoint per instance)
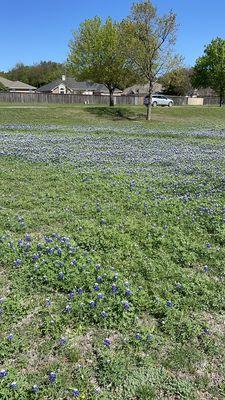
(147, 232)
(162, 118)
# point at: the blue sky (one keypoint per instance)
(34, 30)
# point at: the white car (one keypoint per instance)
(158, 100)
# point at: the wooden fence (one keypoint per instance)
(49, 98)
(67, 98)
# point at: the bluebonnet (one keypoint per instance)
(96, 287)
(98, 267)
(74, 262)
(138, 336)
(169, 303)
(107, 342)
(61, 275)
(63, 341)
(100, 296)
(99, 279)
(72, 295)
(10, 337)
(206, 268)
(48, 303)
(68, 308)
(92, 304)
(27, 237)
(126, 305)
(75, 392)
(3, 373)
(59, 252)
(35, 389)
(20, 243)
(116, 276)
(128, 292)
(17, 262)
(13, 385)
(52, 376)
(104, 314)
(80, 291)
(114, 288)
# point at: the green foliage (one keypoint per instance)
(96, 54)
(155, 236)
(3, 88)
(148, 43)
(178, 82)
(38, 74)
(209, 70)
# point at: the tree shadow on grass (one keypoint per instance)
(115, 113)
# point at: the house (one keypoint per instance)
(17, 86)
(67, 85)
(142, 90)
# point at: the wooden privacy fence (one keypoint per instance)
(93, 99)
(77, 99)
(67, 98)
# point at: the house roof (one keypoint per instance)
(72, 84)
(15, 84)
(142, 89)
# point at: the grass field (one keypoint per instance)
(112, 247)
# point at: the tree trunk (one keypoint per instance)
(149, 107)
(111, 100)
(221, 99)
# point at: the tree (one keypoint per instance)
(178, 82)
(209, 70)
(148, 43)
(96, 55)
(3, 88)
(38, 74)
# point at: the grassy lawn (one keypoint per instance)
(112, 247)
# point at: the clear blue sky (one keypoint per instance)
(34, 30)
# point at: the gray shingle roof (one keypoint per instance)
(142, 89)
(15, 84)
(72, 84)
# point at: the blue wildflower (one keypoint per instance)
(96, 287)
(107, 342)
(99, 279)
(92, 304)
(104, 314)
(52, 377)
(138, 336)
(63, 341)
(3, 373)
(169, 303)
(17, 262)
(68, 308)
(72, 295)
(10, 337)
(35, 389)
(27, 237)
(114, 288)
(128, 292)
(75, 393)
(100, 296)
(13, 385)
(48, 303)
(61, 275)
(80, 291)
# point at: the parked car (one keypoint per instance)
(158, 100)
